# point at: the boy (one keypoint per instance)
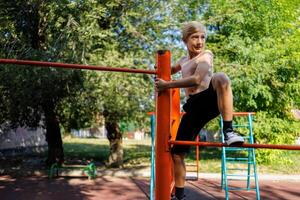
(207, 94)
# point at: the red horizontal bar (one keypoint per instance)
(234, 113)
(243, 113)
(75, 66)
(150, 113)
(245, 145)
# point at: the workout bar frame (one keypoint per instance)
(245, 145)
(75, 66)
(234, 113)
(163, 160)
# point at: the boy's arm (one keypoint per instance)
(202, 69)
(177, 67)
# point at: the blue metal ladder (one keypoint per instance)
(230, 170)
(152, 176)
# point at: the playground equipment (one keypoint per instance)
(162, 107)
(152, 175)
(152, 183)
(232, 164)
(249, 160)
(89, 170)
(163, 163)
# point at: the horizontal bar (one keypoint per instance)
(74, 66)
(150, 113)
(243, 113)
(238, 179)
(237, 189)
(235, 149)
(239, 162)
(237, 159)
(239, 175)
(234, 113)
(240, 126)
(191, 171)
(237, 169)
(245, 145)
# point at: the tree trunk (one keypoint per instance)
(114, 136)
(53, 136)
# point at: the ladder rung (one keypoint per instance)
(237, 159)
(237, 164)
(237, 169)
(234, 179)
(241, 126)
(240, 175)
(235, 149)
(241, 188)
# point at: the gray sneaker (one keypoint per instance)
(233, 138)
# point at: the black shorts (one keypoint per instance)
(200, 108)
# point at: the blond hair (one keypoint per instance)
(191, 27)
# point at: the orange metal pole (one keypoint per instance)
(163, 177)
(175, 121)
(218, 144)
(243, 113)
(175, 112)
(197, 156)
(74, 66)
(236, 113)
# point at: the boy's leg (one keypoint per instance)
(186, 132)
(179, 169)
(200, 109)
(179, 174)
(221, 84)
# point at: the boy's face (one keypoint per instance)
(196, 42)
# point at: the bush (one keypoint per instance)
(274, 131)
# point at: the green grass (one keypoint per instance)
(137, 153)
(86, 149)
(283, 167)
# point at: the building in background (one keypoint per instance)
(95, 132)
(22, 140)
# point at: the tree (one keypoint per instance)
(59, 33)
(259, 51)
(33, 95)
(255, 43)
(253, 47)
(124, 98)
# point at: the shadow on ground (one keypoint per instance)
(69, 188)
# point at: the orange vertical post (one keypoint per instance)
(163, 176)
(175, 121)
(175, 112)
(197, 156)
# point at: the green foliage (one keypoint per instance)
(110, 33)
(26, 89)
(255, 42)
(127, 97)
(274, 131)
(258, 51)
